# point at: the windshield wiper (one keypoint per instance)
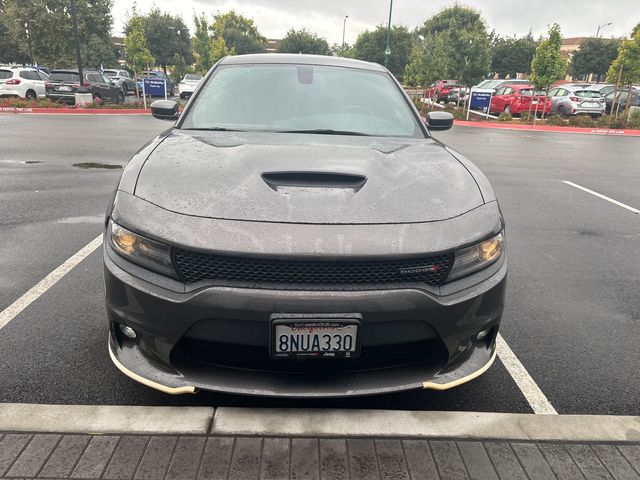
(216, 129)
(325, 131)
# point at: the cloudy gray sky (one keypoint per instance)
(275, 17)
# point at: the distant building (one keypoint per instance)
(571, 45)
(273, 44)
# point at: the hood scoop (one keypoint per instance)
(277, 180)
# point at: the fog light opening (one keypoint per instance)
(127, 331)
(482, 334)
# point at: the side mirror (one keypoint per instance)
(439, 121)
(165, 110)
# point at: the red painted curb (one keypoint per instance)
(77, 111)
(550, 128)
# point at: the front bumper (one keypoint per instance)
(576, 110)
(163, 318)
(68, 98)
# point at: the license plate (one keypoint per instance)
(64, 88)
(590, 104)
(535, 102)
(315, 336)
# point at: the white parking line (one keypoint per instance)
(604, 197)
(527, 385)
(47, 282)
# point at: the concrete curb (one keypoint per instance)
(316, 423)
(549, 128)
(19, 417)
(425, 424)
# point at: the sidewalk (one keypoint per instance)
(149, 443)
(227, 457)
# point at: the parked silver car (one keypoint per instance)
(575, 99)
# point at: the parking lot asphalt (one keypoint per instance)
(572, 303)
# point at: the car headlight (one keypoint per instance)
(147, 253)
(476, 257)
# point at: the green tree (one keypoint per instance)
(220, 50)
(595, 55)
(625, 69)
(240, 33)
(429, 61)
(202, 44)
(339, 50)
(511, 55)
(452, 44)
(548, 65)
(371, 45)
(10, 51)
(303, 41)
(627, 61)
(451, 19)
(167, 36)
(95, 52)
(136, 50)
(50, 31)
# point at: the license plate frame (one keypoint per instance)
(319, 321)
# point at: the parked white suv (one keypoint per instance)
(23, 82)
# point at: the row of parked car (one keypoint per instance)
(517, 96)
(110, 85)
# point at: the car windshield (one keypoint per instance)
(302, 98)
(527, 92)
(193, 76)
(587, 94)
(489, 84)
(64, 77)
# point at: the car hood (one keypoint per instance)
(301, 178)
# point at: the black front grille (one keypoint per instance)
(250, 357)
(194, 266)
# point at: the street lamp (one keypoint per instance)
(26, 30)
(344, 24)
(387, 51)
(600, 27)
(74, 19)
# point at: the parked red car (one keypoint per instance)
(516, 98)
(440, 90)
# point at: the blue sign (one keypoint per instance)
(480, 100)
(154, 87)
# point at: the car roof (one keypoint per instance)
(18, 69)
(513, 81)
(573, 87)
(296, 59)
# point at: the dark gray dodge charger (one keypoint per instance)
(298, 232)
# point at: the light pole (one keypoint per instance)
(344, 25)
(387, 52)
(74, 19)
(26, 29)
(600, 27)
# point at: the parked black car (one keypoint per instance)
(63, 84)
(122, 78)
(623, 97)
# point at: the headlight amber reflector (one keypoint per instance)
(476, 257)
(143, 251)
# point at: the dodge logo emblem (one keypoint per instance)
(421, 269)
